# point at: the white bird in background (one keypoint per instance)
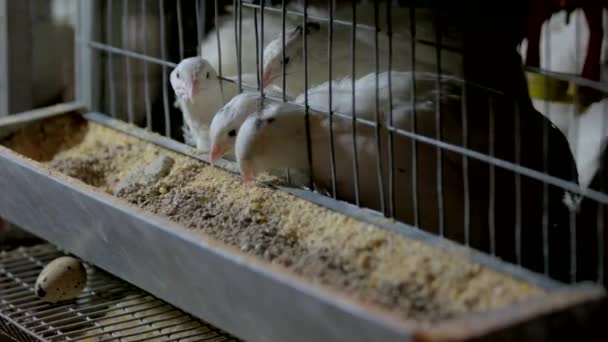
(586, 139)
(401, 89)
(562, 54)
(586, 130)
(210, 50)
(318, 56)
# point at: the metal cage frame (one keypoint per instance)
(350, 321)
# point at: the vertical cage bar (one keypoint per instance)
(415, 207)
(307, 118)
(218, 38)
(391, 152)
(353, 109)
(200, 27)
(518, 208)
(110, 57)
(257, 47)
(601, 208)
(163, 52)
(492, 194)
(261, 53)
(148, 103)
(125, 44)
(283, 67)
(379, 169)
(330, 47)
(4, 59)
(180, 28)
(575, 113)
(545, 147)
(437, 26)
(86, 70)
(465, 169)
(219, 45)
(240, 44)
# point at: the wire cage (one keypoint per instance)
(108, 309)
(418, 110)
(504, 183)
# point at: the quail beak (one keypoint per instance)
(192, 89)
(217, 152)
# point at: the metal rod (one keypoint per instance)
(575, 113)
(199, 24)
(219, 45)
(143, 323)
(123, 52)
(330, 62)
(156, 329)
(175, 332)
(438, 125)
(353, 109)
(414, 145)
(180, 28)
(257, 47)
(110, 62)
(492, 194)
(109, 324)
(379, 166)
(465, 170)
(518, 213)
(391, 151)
(283, 68)
(306, 108)
(577, 79)
(600, 207)
(148, 103)
(125, 42)
(240, 47)
(261, 54)
(218, 37)
(545, 145)
(163, 52)
(503, 164)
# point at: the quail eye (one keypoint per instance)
(207, 74)
(232, 133)
(177, 74)
(270, 120)
(286, 61)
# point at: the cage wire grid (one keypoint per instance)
(100, 48)
(108, 309)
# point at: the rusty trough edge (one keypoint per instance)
(566, 314)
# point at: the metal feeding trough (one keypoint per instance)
(252, 299)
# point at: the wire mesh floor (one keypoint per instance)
(107, 310)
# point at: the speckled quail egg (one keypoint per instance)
(62, 279)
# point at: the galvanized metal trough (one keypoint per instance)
(245, 296)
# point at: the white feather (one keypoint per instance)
(317, 52)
